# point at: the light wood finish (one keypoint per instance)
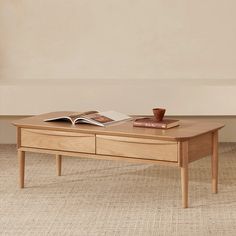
(58, 164)
(136, 147)
(175, 147)
(18, 137)
(100, 157)
(184, 173)
(21, 159)
(58, 140)
(187, 129)
(200, 147)
(214, 162)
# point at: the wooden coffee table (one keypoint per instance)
(177, 146)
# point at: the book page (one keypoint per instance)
(80, 114)
(114, 115)
(100, 118)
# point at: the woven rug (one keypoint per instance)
(96, 197)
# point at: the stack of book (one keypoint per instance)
(151, 122)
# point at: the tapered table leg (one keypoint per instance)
(214, 162)
(58, 163)
(184, 174)
(21, 158)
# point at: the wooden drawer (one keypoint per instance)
(58, 140)
(137, 147)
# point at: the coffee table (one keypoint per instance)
(176, 147)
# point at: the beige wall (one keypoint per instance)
(115, 39)
(7, 130)
(128, 56)
(179, 97)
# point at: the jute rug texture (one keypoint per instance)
(98, 198)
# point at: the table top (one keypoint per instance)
(186, 130)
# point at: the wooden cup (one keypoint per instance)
(159, 113)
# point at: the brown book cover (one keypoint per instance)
(153, 123)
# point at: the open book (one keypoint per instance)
(91, 117)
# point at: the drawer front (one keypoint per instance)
(137, 148)
(57, 140)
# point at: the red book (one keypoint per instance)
(153, 123)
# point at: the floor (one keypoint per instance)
(95, 197)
